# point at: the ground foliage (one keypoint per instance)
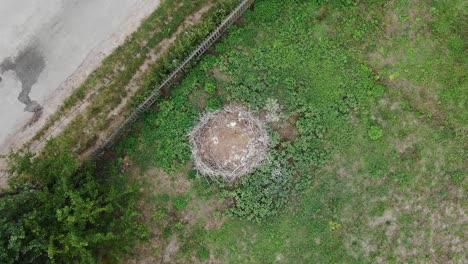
(374, 171)
(273, 179)
(314, 79)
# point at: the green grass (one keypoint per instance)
(377, 170)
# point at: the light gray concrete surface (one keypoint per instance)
(47, 48)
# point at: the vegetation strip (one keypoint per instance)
(166, 84)
(97, 118)
(104, 88)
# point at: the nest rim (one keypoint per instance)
(255, 149)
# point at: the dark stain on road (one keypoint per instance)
(28, 66)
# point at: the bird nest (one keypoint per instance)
(228, 143)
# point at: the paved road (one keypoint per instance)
(47, 48)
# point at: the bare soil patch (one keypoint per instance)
(203, 211)
(218, 74)
(287, 128)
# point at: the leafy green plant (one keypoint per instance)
(192, 174)
(167, 232)
(164, 197)
(213, 103)
(180, 224)
(161, 214)
(402, 178)
(203, 252)
(166, 133)
(180, 202)
(457, 176)
(377, 90)
(375, 132)
(210, 86)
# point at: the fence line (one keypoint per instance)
(200, 50)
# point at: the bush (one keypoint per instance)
(72, 216)
(180, 202)
(192, 174)
(203, 252)
(213, 103)
(210, 87)
(263, 193)
(167, 232)
(457, 176)
(375, 132)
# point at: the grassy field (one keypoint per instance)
(370, 141)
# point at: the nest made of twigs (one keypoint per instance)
(228, 143)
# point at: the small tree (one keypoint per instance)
(72, 215)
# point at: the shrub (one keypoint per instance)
(375, 132)
(263, 193)
(71, 216)
(180, 202)
(377, 90)
(192, 174)
(167, 232)
(203, 252)
(213, 103)
(457, 176)
(210, 87)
